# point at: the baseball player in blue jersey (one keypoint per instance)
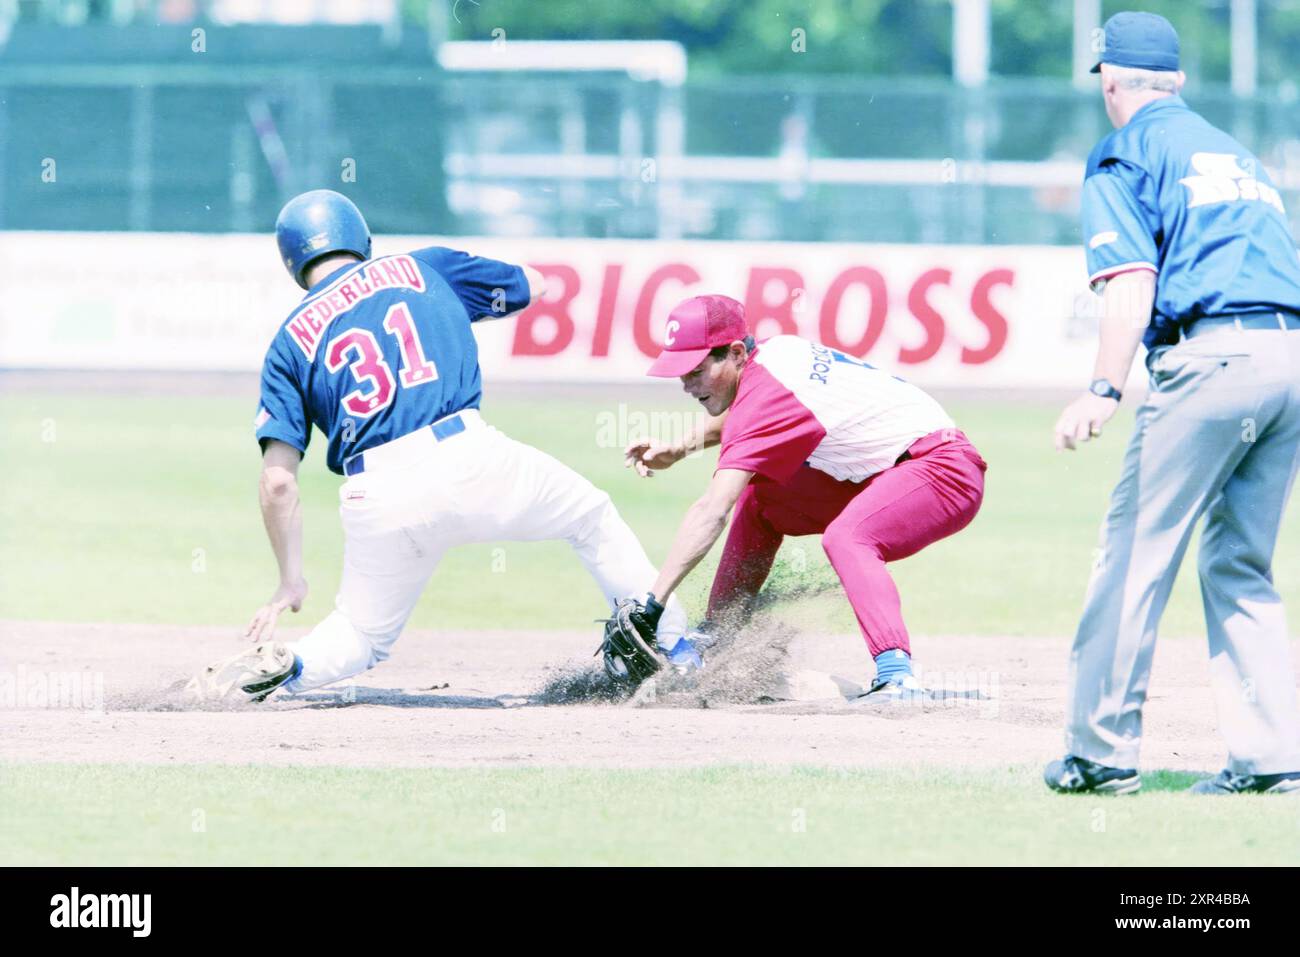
(379, 355)
(1188, 239)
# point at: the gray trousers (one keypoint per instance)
(1219, 436)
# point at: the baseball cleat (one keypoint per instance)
(902, 688)
(684, 657)
(1075, 775)
(250, 675)
(1228, 783)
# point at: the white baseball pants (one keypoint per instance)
(419, 497)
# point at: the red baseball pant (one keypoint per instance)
(931, 493)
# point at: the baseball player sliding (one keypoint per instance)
(1189, 240)
(379, 356)
(813, 442)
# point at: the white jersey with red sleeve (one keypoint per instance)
(800, 402)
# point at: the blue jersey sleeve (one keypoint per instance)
(282, 414)
(1118, 230)
(488, 288)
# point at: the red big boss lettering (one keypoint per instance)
(526, 342)
(605, 311)
(828, 325)
(994, 321)
(929, 317)
(758, 309)
(644, 316)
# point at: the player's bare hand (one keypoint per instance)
(648, 456)
(1082, 420)
(289, 595)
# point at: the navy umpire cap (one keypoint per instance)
(318, 223)
(1145, 41)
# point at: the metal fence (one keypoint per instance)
(217, 146)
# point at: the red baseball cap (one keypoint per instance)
(693, 328)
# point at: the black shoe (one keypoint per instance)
(1075, 775)
(1228, 783)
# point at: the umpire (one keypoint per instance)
(1188, 242)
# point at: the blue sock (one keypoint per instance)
(893, 664)
(297, 668)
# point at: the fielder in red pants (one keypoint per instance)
(813, 442)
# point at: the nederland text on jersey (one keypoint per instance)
(306, 328)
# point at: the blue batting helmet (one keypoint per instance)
(318, 223)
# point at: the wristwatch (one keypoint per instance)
(1103, 389)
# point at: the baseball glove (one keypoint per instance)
(248, 675)
(631, 650)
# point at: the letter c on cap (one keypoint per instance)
(670, 331)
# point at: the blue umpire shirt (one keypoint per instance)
(1170, 193)
(381, 348)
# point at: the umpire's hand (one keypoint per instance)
(1082, 420)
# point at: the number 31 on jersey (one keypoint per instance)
(359, 351)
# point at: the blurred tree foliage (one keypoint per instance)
(913, 37)
(1032, 39)
(736, 36)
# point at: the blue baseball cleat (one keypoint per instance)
(684, 657)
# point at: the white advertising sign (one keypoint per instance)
(960, 316)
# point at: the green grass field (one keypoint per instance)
(143, 509)
(727, 815)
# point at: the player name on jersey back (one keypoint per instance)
(307, 326)
(870, 416)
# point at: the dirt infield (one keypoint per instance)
(465, 699)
